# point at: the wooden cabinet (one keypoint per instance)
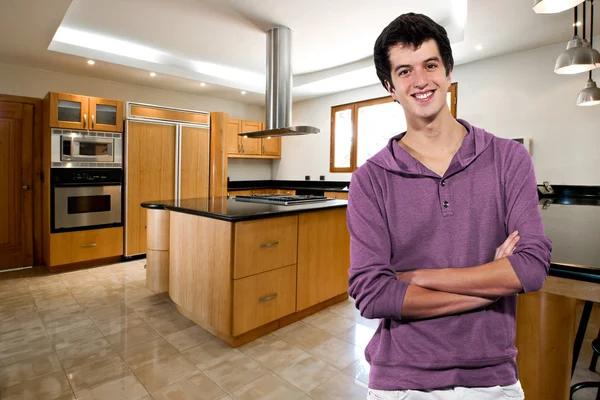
(337, 195)
(195, 155)
(82, 112)
(250, 192)
(242, 147)
(79, 246)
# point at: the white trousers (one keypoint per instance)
(514, 392)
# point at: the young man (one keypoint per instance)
(434, 219)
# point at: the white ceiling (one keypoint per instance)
(332, 39)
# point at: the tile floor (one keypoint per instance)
(100, 334)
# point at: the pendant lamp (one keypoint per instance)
(590, 95)
(554, 6)
(579, 55)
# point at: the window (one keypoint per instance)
(359, 130)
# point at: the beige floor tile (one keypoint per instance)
(288, 328)
(273, 353)
(331, 322)
(306, 372)
(188, 338)
(23, 320)
(103, 369)
(210, 353)
(16, 314)
(359, 369)
(337, 353)
(21, 336)
(346, 309)
(165, 372)
(340, 387)
(27, 370)
(52, 315)
(84, 354)
(139, 305)
(124, 388)
(26, 351)
(100, 298)
(173, 324)
(16, 303)
(306, 336)
(268, 387)
(359, 335)
(156, 312)
(49, 386)
(135, 292)
(108, 312)
(131, 337)
(60, 302)
(78, 280)
(86, 288)
(75, 337)
(371, 323)
(108, 327)
(72, 320)
(235, 372)
(195, 387)
(146, 353)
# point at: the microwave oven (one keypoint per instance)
(86, 148)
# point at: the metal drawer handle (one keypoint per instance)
(267, 298)
(89, 245)
(93, 121)
(268, 245)
(85, 120)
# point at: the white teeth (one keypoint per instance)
(423, 96)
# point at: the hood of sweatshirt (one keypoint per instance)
(395, 159)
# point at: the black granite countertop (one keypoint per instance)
(318, 186)
(228, 209)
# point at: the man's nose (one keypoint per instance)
(420, 79)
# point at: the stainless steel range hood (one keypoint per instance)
(279, 88)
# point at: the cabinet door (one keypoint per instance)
(337, 195)
(150, 175)
(271, 147)
(195, 152)
(69, 111)
(78, 246)
(106, 115)
(233, 140)
(250, 146)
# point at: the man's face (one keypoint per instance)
(419, 79)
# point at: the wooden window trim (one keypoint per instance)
(453, 90)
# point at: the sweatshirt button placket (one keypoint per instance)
(446, 204)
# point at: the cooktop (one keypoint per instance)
(281, 199)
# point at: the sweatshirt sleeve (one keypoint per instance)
(531, 258)
(373, 282)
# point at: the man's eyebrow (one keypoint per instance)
(424, 62)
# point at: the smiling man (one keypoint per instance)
(445, 232)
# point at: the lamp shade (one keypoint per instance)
(577, 58)
(554, 6)
(590, 96)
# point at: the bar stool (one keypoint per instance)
(583, 385)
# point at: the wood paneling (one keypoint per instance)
(323, 256)
(337, 195)
(94, 125)
(16, 171)
(218, 154)
(195, 163)
(46, 153)
(168, 115)
(158, 229)
(78, 246)
(150, 176)
(250, 146)
(545, 326)
(83, 123)
(233, 140)
(271, 147)
(263, 298)
(264, 244)
(157, 270)
(200, 271)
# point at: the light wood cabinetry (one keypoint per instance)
(82, 112)
(241, 147)
(194, 162)
(157, 253)
(250, 192)
(241, 280)
(79, 246)
(337, 195)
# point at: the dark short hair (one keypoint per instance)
(410, 29)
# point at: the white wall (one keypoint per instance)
(30, 82)
(510, 96)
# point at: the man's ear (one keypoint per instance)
(389, 87)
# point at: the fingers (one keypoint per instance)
(509, 245)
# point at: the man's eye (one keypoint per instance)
(403, 72)
(431, 66)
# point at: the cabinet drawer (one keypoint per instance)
(337, 195)
(72, 247)
(262, 298)
(264, 245)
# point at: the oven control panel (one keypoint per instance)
(87, 176)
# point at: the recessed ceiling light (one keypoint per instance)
(91, 62)
(202, 84)
(578, 23)
(479, 47)
(153, 74)
(243, 92)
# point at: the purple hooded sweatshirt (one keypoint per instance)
(402, 216)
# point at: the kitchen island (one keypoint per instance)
(241, 270)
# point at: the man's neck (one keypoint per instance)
(441, 137)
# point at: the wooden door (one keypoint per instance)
(16, 180)
(150, 175)
(69, 111)
(233, 140)
(195, 154)
(250, 146)
(271, 146)
(106, 115)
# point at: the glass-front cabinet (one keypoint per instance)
(81, 112)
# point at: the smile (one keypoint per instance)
(424, 95)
